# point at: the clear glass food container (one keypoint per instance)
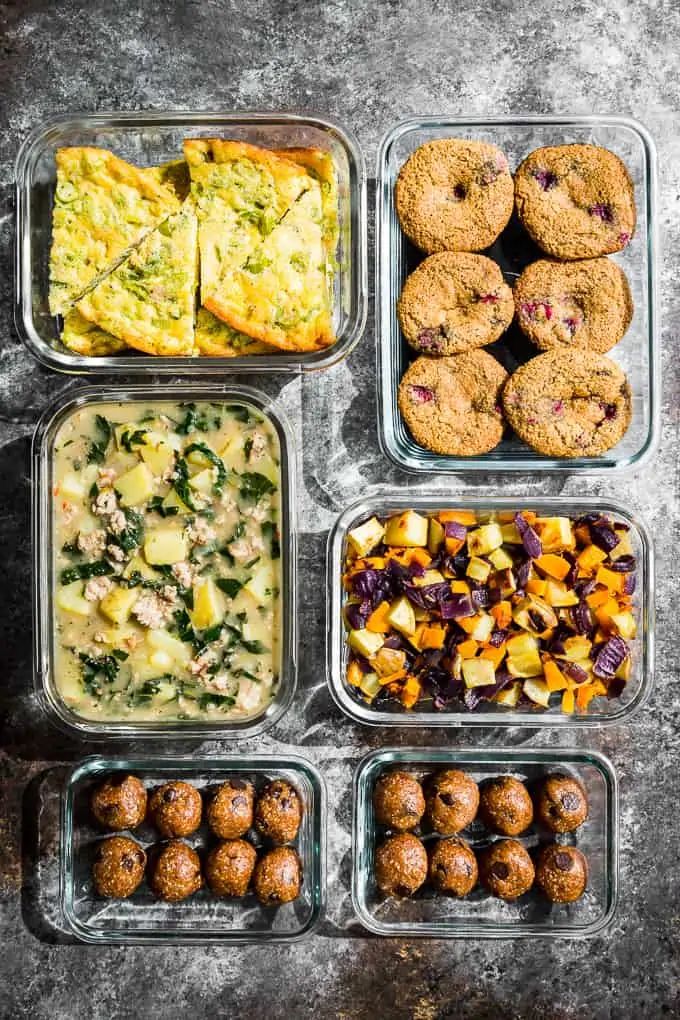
(43, 563)
(480, 915)
(601, 710)
(153, 137)
(636, 353)
(203, 917)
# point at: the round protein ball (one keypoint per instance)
(398, 801)
(174, 871)
(566, 405)
(119, 802)
(400, 865)
(278, 877)
(229, 867)
(506, 869)
(575, 201)
(230, 809)
(452, 801)
(278, 811)
(453, 867)
(118, 867)
(454, 302)
(453, 405)
(573, 304)
(561, 873)
(561, 803)
(453, 194)
(176, 809)
(505, 806)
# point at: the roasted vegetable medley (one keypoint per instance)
(460, 609)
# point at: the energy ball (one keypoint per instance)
(175, 871)
(505, 806)
(398, 801)
(453, 867)
(118, 867)
(400, 865)
(119, 802)
(176, 809)
(561, 873)
(452, 801)
(506, 869)
(278, 812)
(230, 809)
(561, 803)
(278, 876)
(229, 867)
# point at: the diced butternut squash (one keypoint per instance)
(355, 674)
(433, 636)
(537, 586)
(590, 558)
(610, 579)
(597, 598)
(466, 517)
(568, 702)
(510, 695)
(407, 529)
(554, 678)
(166, 545)
(494, 654)
(411, 692)
(365, 538)
(467, 649)
(554, 566)
(135, 486)
(502, 614)
(377, 621)
(460, 587)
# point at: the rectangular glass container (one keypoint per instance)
(153, 137)
(203, 917)
(601, 710)
(480, 915)
(43, 580)
(636, 353)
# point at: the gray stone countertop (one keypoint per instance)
(368, 64)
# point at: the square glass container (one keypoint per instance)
(43, 568)
(481, 915)
(636, 353)
(601, 710)
(203, 917)
(153, 137)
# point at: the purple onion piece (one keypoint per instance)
(497, 638)
(452, 529)
(395, 641)
(623, 565)
(522, 576)
(610, 657)
(495, 596)
(629, 584)
(365, 582)
(415, 569)
(585, 587)
(530, 540)
(573, 670)
(603, 535)
(363, 663)
(356, 614)
(582, 618)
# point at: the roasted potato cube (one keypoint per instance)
(365, 538)
(407, 529)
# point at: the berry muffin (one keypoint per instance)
(454, 302)
(453, 405)
(575, 201)
(569, 405)
(561, 873)
(573, 304)
(506, 869)
(453, 194)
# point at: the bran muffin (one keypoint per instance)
(561, 873)
(454, 302)
(573, 304)
(506, 869)
(575, 201)
(453, 405)
(453, 194)
(569, 405)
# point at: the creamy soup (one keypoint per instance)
(167, 561)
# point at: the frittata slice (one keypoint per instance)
(149, 300)
(320, 165)
(102, 207)
(84, 337)
(173, 175)
(216, 339)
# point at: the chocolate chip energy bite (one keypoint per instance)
(568, 405)
(452, 405)
(573, 304)
(576, 201)
(454, 302)
(453, 194)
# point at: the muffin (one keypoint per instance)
(452, 801)
(505, 806)
(400, 865)
(575, 201)
(506, 869)
(453, 405)
(453, 194)
(566, 405)
(454, 302)
(398, 801)
(561, 873)
(453, 867)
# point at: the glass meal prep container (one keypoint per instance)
(153, 137)
(636, 353)
(44, 537)
(202, 917)
(600, 711)
(480, 915)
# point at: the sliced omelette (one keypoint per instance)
(216, 339)
(148, 301)
(84, 337)
(102, 207)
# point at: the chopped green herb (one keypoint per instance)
(229, 585)
(208, 700)
(129, 439)
(84, 571)
(254, 647)
(98, 447)
(193, 421)
(181, 484)
(255, 485)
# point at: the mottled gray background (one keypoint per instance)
(367, 64)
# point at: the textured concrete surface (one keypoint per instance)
(368, 64)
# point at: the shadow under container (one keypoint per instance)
(637, 353)
(43, 537)
(151, 138)
(480, 915)
(601, 711)
(204, 917)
